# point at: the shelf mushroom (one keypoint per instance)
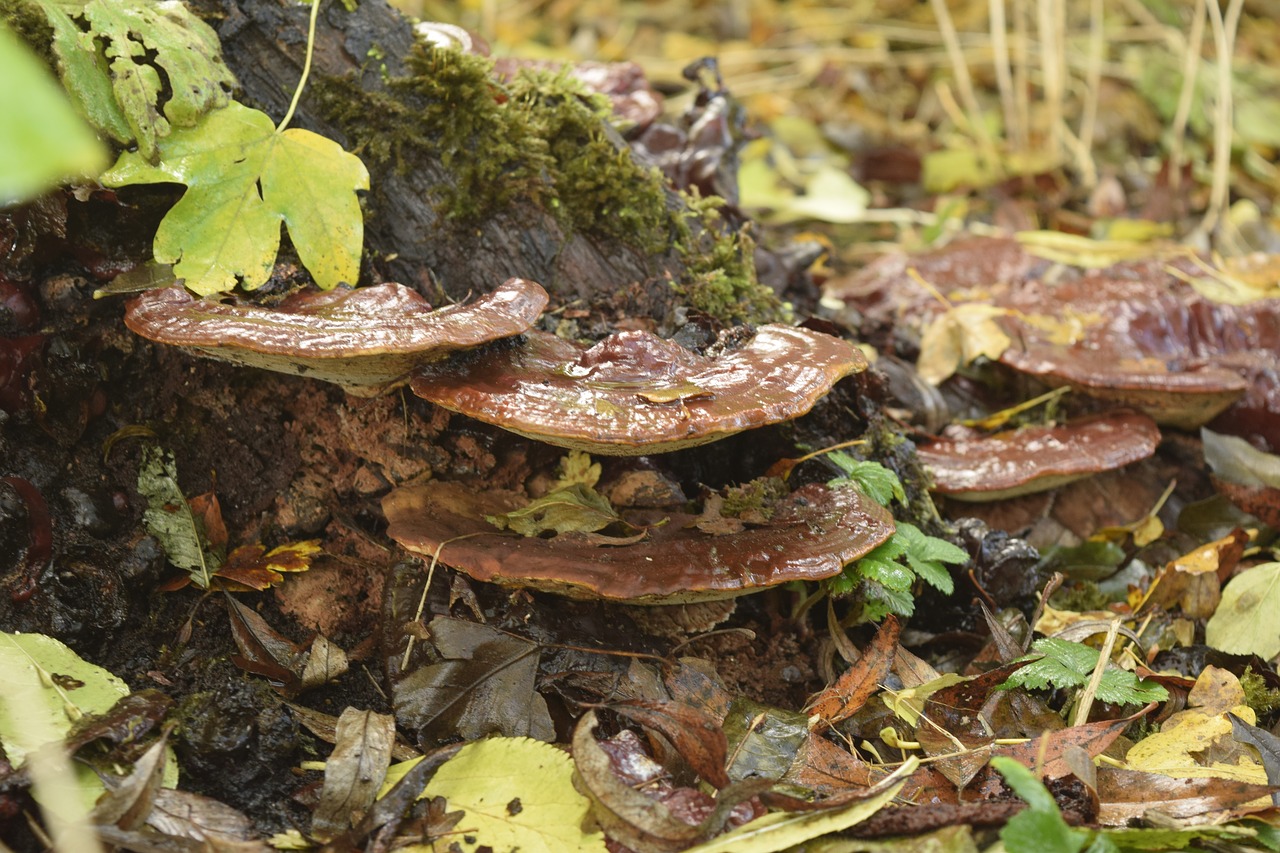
(812, 534)
(1035, 459)
(635, 393)
(367, 340)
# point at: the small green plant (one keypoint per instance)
(150, 75)
(885, 577)
(1062, 664)
(1040, 828)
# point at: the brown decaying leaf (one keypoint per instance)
(634, 819)
(128, 720)
(263, 650)
(1128, 795)
(1194, 581)
(484, 685)
(129, 801)
(325, 727)
(1267, 744)
(254, 567)
(326, 661)
(951, 724)
(354, 771)
(856, 685)
(696, 735)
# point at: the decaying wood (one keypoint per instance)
(264, 43)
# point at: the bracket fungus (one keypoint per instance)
(367, 339)
(1035, 459)
(635, 393)
(812, 534)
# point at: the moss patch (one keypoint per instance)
(541, 137)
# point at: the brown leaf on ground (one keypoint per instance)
(694, 733)
(1128, 795)
(354, 771)
(841, 700)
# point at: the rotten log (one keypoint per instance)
(366, 64)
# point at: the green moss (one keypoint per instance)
(720, 272)
(540, 137)
(1262, 699)
(30, 25)
(1080, 597)
(756, 497)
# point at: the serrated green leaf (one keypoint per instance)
(42, 141)
(1065, 665)
(879, 601)
(878, 482)
(243, 180)
(136, 55)
(892, 574)
(576, 509)
(169, 519)
(930, 548)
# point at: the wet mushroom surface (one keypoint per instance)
(812, 534)
(365, 339)
(1034, 459)
(635, 393)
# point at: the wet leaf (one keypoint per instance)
(1127, 795)
(763, 741)
(169, 518)
(695, 734)
(1197, 742)
(128, 801)
(354, 771)
(42, 141)
(861, 681)
(1234, 459)
(135, 56)
(574, 509)
(1062, 664)
(47, 688)
(958, 337)
(244, 179)
(784, 831)
(1244, 622)
(485, 685)
(516, 794)
(254, 567)
(1267, 744)
(264, 650)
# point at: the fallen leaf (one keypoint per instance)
(1197, 742)
(695, 734)
(354, 771)
(576, 508)
(857, 684)
(1267, 744)
(484, 685)
(958, 337)
(1244, 622)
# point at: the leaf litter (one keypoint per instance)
(1130, 757)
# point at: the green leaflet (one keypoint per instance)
(575, 509)
(1062, 664)
(168, 517)
(135, 68)
(244, 178)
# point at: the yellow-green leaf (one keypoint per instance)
(1244, 623)
(244, 179)
(516, 794)
(42, 140)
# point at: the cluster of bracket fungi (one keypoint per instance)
(632, 393)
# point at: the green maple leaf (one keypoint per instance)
(244, 179)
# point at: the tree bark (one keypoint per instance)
(406, 234)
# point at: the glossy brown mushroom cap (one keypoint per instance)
(366, 340)
(634, 393)
(1033, 459)
(813, 533)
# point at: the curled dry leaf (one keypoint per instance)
(366, 340)
(1034, 459)
(635, 393)
(354, 771)
(859, 682)
(813, 533)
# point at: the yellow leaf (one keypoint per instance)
(516, 794)
(959, 336)
(1197, 743)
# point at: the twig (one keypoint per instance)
(1004, 74)
(1093, 82)
(1190, 71)
(1104, 659)
(1224, 37)
(964, 82)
